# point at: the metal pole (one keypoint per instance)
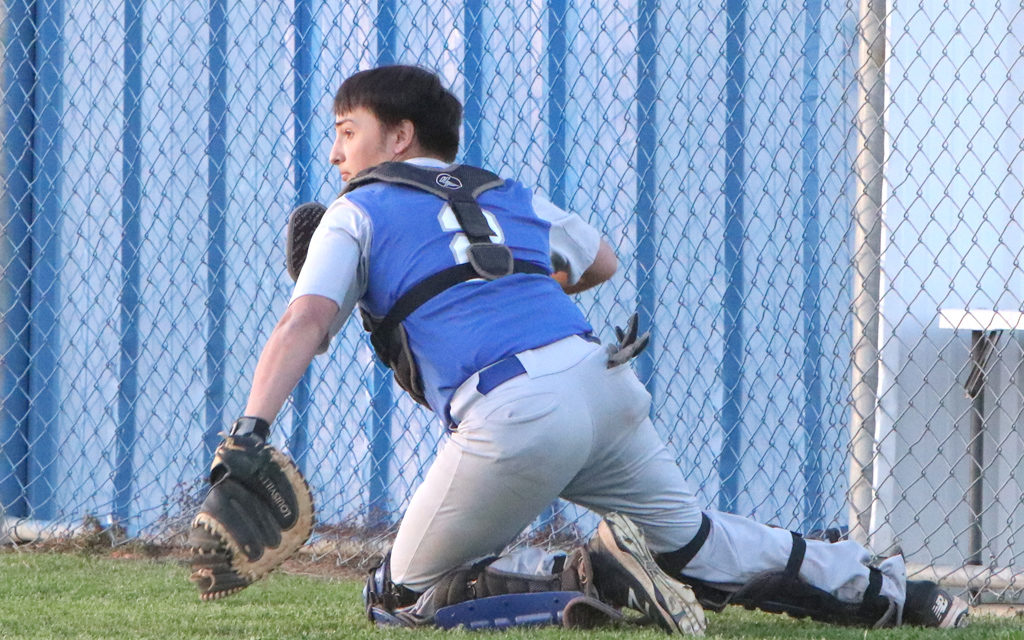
(981, 348)
(867, 223)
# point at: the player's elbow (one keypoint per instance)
(601, 269)
(308, 315)
(604, 266)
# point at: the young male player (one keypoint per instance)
(450, 269)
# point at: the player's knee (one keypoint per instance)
(419, 571)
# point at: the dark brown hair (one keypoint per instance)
(402, 92)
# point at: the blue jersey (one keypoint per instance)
(476, 323)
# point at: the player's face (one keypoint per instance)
(360, 142)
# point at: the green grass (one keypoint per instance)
(63, 595)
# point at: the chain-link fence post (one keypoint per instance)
(867, 274)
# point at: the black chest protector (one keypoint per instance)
(459, 186)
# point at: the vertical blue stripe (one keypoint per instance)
(382, 401)
(298, 440)
(302, 160)
(647, 184)
(810, 298)
(557, 101)
(387, 31)
(46, 260)
(557, 58)
(15, 254)
(302, 109)
(131, 205)
(732, 258)
(216, 150)
(472, 70)
(382, 404)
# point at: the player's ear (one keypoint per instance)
(403, 135)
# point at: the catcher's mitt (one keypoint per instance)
(302, 222)
(258, 513)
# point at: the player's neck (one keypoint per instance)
(416, 151)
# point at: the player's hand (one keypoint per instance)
(258, 512)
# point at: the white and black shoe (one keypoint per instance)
(628, 576)
(929, 605)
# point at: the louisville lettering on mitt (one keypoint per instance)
(259, 511)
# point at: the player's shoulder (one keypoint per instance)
(548, 210)
(367, 191)
(381, 197)
(509, 188)
(348, 216)
(344, 206)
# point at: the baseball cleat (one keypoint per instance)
(929, 605)
(628, 576)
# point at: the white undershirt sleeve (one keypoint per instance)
(570, 237)
(335, 265)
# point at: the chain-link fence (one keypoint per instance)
(795, 192)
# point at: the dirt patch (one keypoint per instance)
(336, 552)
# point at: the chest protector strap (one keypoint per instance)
(459, 186)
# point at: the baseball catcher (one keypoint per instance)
(258, 512)
(450, 267)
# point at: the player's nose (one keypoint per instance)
(336, 157)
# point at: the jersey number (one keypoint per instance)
(460, 243)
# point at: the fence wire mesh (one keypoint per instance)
(152, 153)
